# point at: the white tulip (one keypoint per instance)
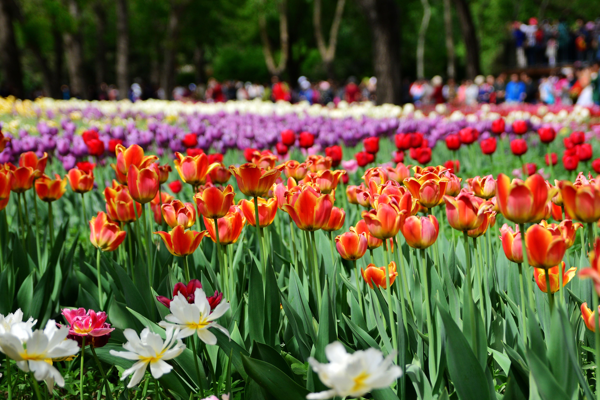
(13, 319)
(353, 374)
(149, 349)
(196, 317)
(36, 350)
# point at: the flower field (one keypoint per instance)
(253, 250)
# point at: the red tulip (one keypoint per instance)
(220, 174)
(351, 245)
(281, 148)
(402, 141)
(50, 190)
(596, 165)
(531, 168)
(86, 166)
(143, 184)
(3, 141)
(577, 137)
(193, 170)
(307, 140)
(249, 153)
(112, 145)
(523, 202)
(180, 242)
(215, 158)
(254, 181)
(213, 202)
(518, 147)
(453, 166)
(194, 152)
(371, 145)
(544, 250)
(468, 135)
(581, 200)
(336, 220)
(335, 152)
(547, 134)
(372, 241)
(584, 152)
(488, 146)
(453, 142)
(22, 178)
(6, 178)
(132, 155)
(420, 232)
(30, 159)
(362, 158)
(520, 127)
(498, 126)
(511, 243)
(288, 137)
(104, 233)
(553, 157)
(267, 209)
(423, 155)
(80, 180)
(570, 162)
(175, 186)
(89, 135)
(190, 140)
(308, 208)
(95, 147)
(230, 226)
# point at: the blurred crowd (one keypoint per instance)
(567, 87)
(556, 42)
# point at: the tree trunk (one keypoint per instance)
(383, 19)
(328, 51)
(199, 63)
(451, 69)
(122, 67)
(170, 50)
(421, 39)
(283, 37)
(10, 55)
(469, 36)
(74, 52)
(58, 63)
(100, 64)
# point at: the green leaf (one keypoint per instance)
(547, 385)
(273, 380)
(272, 306)
(256, 305)
(467, 375)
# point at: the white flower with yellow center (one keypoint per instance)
(36, 350)
(354, 374)
(195, 317)
(16, 318)
(149, 349)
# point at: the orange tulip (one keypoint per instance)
(3, 141)
(220, 174)
(543, 249)
(385, 221)
(351, 194)
(539, 274)
(593, 271)
(484, 187)
(372, 241)
(567, 229)
(266, 161)
(50, 190)
(30, 159)
(556, 212)
(377, 175)
(511, 243)
(336, 220)
(398, 174)
(374, 275)
(581, 202)
(127, 156)
(436, 170)
(213, 202)
(179, 213)
(267, 209)
(143, 184)
(193, 170)
(80, 181)
(162, 171)
(22, 178)
(363, 196)
(296, 170)
(420, 232)
(589, 317)
(351, 245)
(180, 242)
(308, 208)
(453, 187)
(318, 163)
(6, 178)
(325, 180)
(104, 233)
(429, 189)
(489, 219)
(465, 211)
(230, 226)
(254, 181)
(155, 205)
(120, 205)
(520, 201)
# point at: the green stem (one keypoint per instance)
(316, 267)
(99, 277)
(480, 279)
(221, 267)
(332, 246)
(522, 305)
(590, 238)
(403, 288)
(130, 251)
(36, 387)
(104, 380)
(83, 210)
(372, 257)
(37, 229)
(258, 238)
(550, 161)
(470, 292)
(212, 372)
(9, 378)
(187, 269)
(51, 224)
(137, 228)
(81, 369)
(526, 262)
(157, 389)
(597, 338)
(430, 332)
(294, 253)
(549, 290)
(161, 203)
(358, 290)
(196, 355)
(150, 245)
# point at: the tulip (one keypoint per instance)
(318, 163)
(570, 162)
(374, 275)
(581, 202)
(180, 242)
(306, 140)
(50, 190)
(220, 174)
(6, 178)
(351, 194)
(105, 235)
(567, 229)
(543, 249)
(120, 205)
(230, 226)
(429, 189)
(193, 170)
(264, 161)
(551, 159)
(539, 274)
(520, 127)
(452, 166)
(254, 181)
(336, 220)
(30, 159)
(189, 293)
(511, 243)
(372, 241)
(288, 137)
(3, 141)
(577, 137)
(335, 153)
(326, 181)
(518, 147)
(468, 135)
(420, 232)
(589, 317)
(132, 155)
(385, 221)
(584, 152)
(465, 211)
(88, 325)
(351, 245)
(398, 174)
(143, 184)
(267, 209)
(498, 126)
(371, 145)
(489, 220)
(308, 208)
(156, 204)
(593, 271)
(175, 187)
(437, 171)
(453, 142)
(296, 170)
(162, 171)
(213, 202)
(179, 213)
(547, 134)
(520, 201)
(80, 181)
(22, 178)
(453, 187)
(483, 187)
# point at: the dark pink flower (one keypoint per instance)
(188, 292)
(89, 324)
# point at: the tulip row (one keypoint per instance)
(281, 299)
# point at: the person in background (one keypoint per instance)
(586, 96)
(519, 44)
(530, 32)
(486, 91)
(595, 83)
(438, 90)
(417, 91)
(472, 92)
(515, 90)
(551, 50)
(563, 41)
(546, 91)
(500, 88)
(449, 91)
(352, 92)
(530, 89)
(280, 90)
(461, 93)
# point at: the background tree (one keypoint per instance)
(327, 51)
